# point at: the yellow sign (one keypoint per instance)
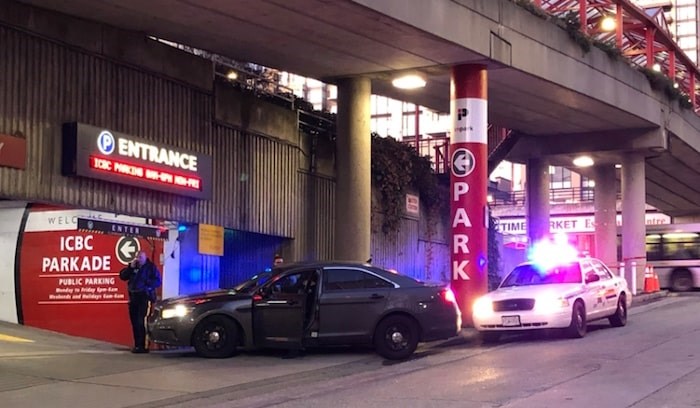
(211, 240)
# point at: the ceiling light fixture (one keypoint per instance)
(583, 161)
(411, 81)
(232, 75)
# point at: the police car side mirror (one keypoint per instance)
(592, 277)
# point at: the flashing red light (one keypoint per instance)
(448, 295)
(145, 173)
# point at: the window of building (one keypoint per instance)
(587, 188)
(559, 177)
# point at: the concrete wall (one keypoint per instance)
(251, 114)
(127, 47)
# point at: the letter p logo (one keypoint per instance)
(462, 113)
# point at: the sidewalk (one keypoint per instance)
(644, 298)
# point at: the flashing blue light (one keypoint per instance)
(482, 261)
(268, 269)
(549, 253)
(182, 228)
(195, 275)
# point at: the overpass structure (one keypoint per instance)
(560, 95)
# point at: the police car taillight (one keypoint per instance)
(448, 295)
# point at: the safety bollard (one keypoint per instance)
(621, 270)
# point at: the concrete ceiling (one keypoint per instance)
(328, 39)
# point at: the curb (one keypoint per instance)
(644, 298)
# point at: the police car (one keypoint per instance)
(556, 289)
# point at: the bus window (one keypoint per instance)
(680, 245)
(653, 245)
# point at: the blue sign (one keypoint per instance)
(105, 142)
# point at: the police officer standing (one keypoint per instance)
(143, 279)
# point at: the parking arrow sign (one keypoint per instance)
(463, 162)
(127, 248)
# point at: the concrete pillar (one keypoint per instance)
(353, 178)
(468, 186)
(605, 202)
(537, 199)
(633, 221)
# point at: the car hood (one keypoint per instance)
(535, 291)
(206, 296)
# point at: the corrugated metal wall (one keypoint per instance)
(246, 254)
(410, 254)
(315, 219)
(44, 84)
(258, 179)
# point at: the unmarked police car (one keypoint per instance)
(547, 293)
(308, 305)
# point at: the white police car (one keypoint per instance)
(557, 289)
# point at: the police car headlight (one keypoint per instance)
(550, 304)
(483, 307)
(177, 311)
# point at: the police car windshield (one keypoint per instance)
(252, 283)
(529, 274)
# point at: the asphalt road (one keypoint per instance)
(652, 362)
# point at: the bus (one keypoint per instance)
(674, 251)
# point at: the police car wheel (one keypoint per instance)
(396, 337)
(577, 329)
(619, 319)
(215, 337)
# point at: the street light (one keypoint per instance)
(608, 24)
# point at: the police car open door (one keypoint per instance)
(279, 310)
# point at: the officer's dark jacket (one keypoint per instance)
(145, 278)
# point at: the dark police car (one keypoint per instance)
(308, 305)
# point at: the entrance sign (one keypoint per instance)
(103, 154)
(468, 184)
(115, 228)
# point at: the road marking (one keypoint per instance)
(13, 339)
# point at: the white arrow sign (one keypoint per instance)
(462, 162)
(128, 250)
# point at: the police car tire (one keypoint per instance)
(396, 323)
(577, 329)
(619, 319)
(227, 329)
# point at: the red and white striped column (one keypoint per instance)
(468, 186)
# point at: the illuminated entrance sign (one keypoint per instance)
(141, 172)
(99, 153)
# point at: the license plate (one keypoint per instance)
(510, 321)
